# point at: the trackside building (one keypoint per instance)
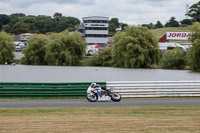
(95, 30)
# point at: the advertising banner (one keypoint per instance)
(177, 35)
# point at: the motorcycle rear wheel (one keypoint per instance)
(91, 97)
(115, 97)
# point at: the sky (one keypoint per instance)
(132, 12)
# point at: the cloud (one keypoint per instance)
(128, 11)
(28, 3)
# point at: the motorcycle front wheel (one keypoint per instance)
(115, 97)
(91, 97)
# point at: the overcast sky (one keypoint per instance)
(132, 12)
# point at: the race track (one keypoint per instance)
(85, 103)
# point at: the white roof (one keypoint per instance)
(27, 34)
(95, 18)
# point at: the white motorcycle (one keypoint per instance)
(103, 94)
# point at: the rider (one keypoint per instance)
(94, 86)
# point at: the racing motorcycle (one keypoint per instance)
(103, 93)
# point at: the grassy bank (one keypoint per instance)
(153, 119)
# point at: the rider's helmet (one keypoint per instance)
(93, 85)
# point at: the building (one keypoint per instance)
(24, 37)
(166, 46)
(95, 30)
(20, 41)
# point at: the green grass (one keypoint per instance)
(129, 110)
(147, 119)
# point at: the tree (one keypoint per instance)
(6, 48)
(193, 56)
(194, 12)
(68, 23)
(186, 22)
(30, 22)
(65, 49)
(172, 23)
(73, 22)
(113, 24)
(14, 18)
(136, 47)
(7, 28)
(19, 28)
(123, 25)
(44, 24)
(158, 25)
(112, 28)
(115, 21)
(4, 19)
(173, 59)
(34, 54)
(57, 16)
(149, 26)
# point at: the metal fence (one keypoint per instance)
(156, 88)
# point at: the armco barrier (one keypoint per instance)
(79, 89)
(156, 88)
(44, 90)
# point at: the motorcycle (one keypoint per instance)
(103, 94)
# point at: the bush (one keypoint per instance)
(103, 58)
(86, 61)
(173, 59)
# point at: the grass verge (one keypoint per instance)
(153, 119)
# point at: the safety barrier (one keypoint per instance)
(156, 88)
(79, 89)
(44, 90)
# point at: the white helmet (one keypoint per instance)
(93, 84)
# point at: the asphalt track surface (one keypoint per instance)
(85, 103)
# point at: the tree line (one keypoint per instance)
(171, 23)
(193, 13)
(20, 23)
